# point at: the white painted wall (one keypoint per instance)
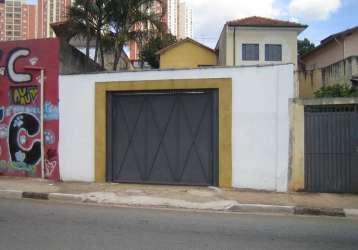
(260, 136)
(286, 37)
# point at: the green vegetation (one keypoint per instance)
(337, 90)
(112, 24)
(155, 44)
(304, 46)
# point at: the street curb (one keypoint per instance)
(35, 195)
(65, 197)
(240, 208)
(11, 194)
(261, 208)
(338, 212)
(351, 212)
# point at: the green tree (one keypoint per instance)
(132, 20)
(90, 19)
(79, 16)
(304, 46)
(113, 23)
(148, 53)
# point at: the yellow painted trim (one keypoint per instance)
(224, 87)
(297, 180)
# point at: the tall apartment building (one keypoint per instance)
(2, 20)
(29, 21)
(177, 19)
(172, 19)
(185, 22)
(17, 20)
(134, 49)
(50, 11)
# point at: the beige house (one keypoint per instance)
(334, 61)
(258, 41)
(333, 49)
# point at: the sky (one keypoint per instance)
(324, 17)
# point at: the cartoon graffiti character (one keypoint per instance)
(14, 76)
(20, 123)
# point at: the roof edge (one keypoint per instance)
(163, 50)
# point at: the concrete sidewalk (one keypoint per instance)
(202, 198)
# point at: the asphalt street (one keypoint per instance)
(28, 224)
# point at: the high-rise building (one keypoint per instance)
(185, 23)
(157, 7)
(17, 20)
(50, 11)
(172, 16)
(177, 19)
(29, 21)
(2, 20)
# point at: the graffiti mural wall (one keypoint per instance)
(20, 128)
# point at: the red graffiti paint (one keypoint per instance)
(20, 135)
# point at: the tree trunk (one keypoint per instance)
(117, 55)
(97, 45)
(102, 54)
(88, 40)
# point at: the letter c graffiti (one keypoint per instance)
(13, 75)
(29, 123)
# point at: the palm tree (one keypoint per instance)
(90, 18)
(113, 23)
(79, 16)
(131, 20)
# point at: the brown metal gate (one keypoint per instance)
(331, 149)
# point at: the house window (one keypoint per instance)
(273, 52)
(250, 52)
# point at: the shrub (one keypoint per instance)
(337, 90)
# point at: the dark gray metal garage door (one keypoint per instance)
(331, 149)
(163, 137)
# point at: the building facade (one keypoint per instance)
(185, 22)
(2, 20)
(172, 13)
(333, 49)
(205, 118)
(334, 61)
(29, 21)
(258, 41)
(187, 53)
(50, 11)
(17, 20)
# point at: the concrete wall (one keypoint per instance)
(221, 48)
(187, 55)
(260, 121)
(73, 61)
(337, 73)
(284, 36)
(309, 82)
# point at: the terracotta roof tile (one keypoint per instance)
(263, 22)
